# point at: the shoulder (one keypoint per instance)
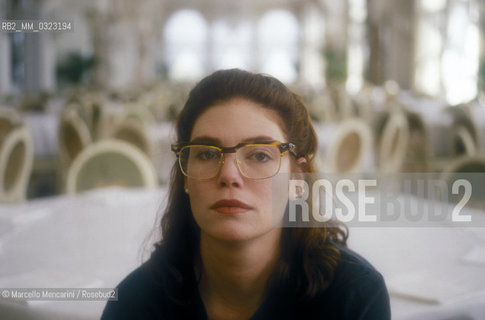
(139, 297)
(358, 290)
(144, 295)
(353, 267)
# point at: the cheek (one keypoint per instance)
(197, 194)
(264, 191)
(267, 197)
(279, 201)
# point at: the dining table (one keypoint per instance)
(88, 240)
(94, 239)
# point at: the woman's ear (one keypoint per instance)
(299, 166)
(300, 163)
(298, 174)
(301, 160)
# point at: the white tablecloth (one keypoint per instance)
(87, 241)
(95, 239)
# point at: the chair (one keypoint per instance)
(472, 169)
(350, 149)
(134, 132)
(464, 133)
(463, 141)
(393, 143)
(477, 114)
(110, 163)
(418, 150)
(74, 136)
(16, 159)
(9, 119)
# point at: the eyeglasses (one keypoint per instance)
(255, 161)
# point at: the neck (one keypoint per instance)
(235, 275)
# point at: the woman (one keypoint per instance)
(221, 257)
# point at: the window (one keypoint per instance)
(278, 37)
(447, 49)
(185, 37)
(312, 68)
(232, 44)
(357, 46)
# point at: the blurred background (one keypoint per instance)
(393, 86)
(409, 74)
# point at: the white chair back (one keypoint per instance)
(74, 136)
(350, 150)
(135, 133)
(393, 143)
(9, 119)
(464, 134)
(110, 163)
(16, 159)
(471, 169)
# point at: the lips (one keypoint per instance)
(230, 206)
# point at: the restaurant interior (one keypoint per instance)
(89, 96)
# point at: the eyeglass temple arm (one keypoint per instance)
(176, 149)
(288, 146)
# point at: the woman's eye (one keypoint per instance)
(260, 157)
(207, 155)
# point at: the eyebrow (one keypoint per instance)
(216, 142)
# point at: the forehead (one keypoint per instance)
(236, 120)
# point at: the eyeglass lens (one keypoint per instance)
(254, 161)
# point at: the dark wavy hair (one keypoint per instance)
(308, 256)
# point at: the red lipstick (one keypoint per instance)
(230, 206)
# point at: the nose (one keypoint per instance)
(230, 176)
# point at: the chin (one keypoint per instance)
(236, 232)
(231, 233)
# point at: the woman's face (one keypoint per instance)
(231, 207)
